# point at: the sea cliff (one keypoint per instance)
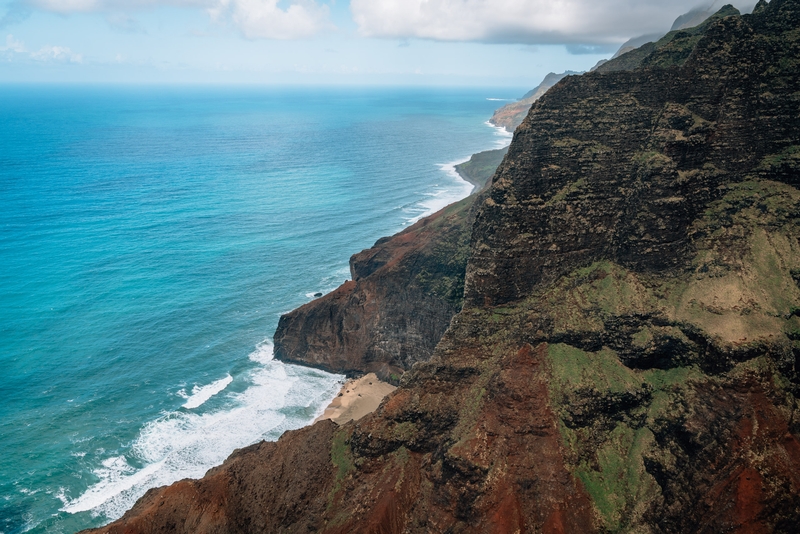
(511, 115)
(402, 295)
(606, 339)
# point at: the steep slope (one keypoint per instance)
(686, 21)
(402, 295)
(626, 359)
(480, 167)
(672, 48)
(511, 115)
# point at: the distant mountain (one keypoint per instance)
(673, 48)
(511, 115)
(692, 19)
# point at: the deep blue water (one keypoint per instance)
(150, 238)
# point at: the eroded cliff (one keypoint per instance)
(626, 359)
(403, 293)
(511, 115)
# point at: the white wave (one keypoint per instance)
(201, 394)
(504, 135)
(61, 494)
(118, 477)
(263, 353)
(183, 444)
(331, 282)
(440, 198)
(500, 99)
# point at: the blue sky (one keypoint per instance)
(416, 42)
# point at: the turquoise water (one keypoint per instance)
(150, 238)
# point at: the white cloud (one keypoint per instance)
(253, 18)
(85, 6)
(58, 54)
(520, 21)
(12, 45)
(47, 53)
(264, 19)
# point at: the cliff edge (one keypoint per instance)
(511, 115)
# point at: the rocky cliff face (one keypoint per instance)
(511, 115)
(403, 293)
(626, 359)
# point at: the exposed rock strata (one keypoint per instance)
(673, 47)
(627, 355)
(257, 488)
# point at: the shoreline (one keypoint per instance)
(357, 398)
(477, 164)
(362, 395)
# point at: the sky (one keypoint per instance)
(355, 42)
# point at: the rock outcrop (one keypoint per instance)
(403, 293)
(673, 48)
(626, 357)
(511, 115)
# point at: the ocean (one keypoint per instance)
(151, 237)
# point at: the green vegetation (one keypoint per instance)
(404, 431)
(567, 190)
(469, 413)
(481, 167)
(668, 379)
(613, 470)
(792, 328)
(342, 459)
(671, 50)
(755, 220)
(574, 369)
(620, 480)
(444, 265)
(785, 162)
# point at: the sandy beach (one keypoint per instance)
(357, 398)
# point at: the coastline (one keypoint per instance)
(362, 395)
(474, 170)
(357, 398)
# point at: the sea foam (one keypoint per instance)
(504, 135)
(201, 394)
(182, 444)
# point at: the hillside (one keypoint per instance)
(624, 355)
(511, 115)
